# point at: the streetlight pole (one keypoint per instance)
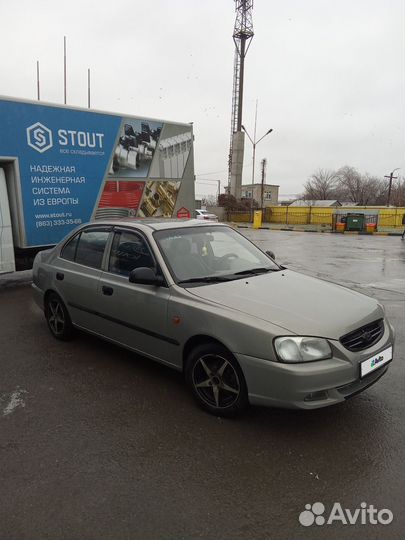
(254, 144)
(391, 177)
(264, 162)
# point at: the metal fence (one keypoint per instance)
(324, 216)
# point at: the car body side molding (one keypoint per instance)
(124, 323)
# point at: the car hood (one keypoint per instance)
(301, 304)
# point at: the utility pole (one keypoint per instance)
(242, 36)
(391, 177)
(264, 163)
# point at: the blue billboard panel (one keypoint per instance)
(63, 156)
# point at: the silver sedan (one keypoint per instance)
(202, 299)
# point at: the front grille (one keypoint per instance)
(363, 337)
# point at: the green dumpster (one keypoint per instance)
(355, 222)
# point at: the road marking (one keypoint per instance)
(15, 400)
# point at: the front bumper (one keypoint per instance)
(312, 385)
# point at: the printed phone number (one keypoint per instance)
(58, 222)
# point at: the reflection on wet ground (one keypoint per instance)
(369, 263)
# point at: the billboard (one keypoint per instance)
(135, 148)
(75, 165)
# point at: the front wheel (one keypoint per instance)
(57, 317)
(216, 380)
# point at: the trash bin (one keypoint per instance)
(355, 222)
(340, 227)
(257, 219)
(371, 227)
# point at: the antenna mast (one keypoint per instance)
(242, 37)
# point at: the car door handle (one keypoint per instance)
(60, 276)
(108, 291)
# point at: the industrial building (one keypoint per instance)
(270, 194)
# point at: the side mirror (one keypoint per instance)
(271, 254)
(145, 276)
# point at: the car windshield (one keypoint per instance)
(202, 255)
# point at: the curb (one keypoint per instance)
(363, 233)
(15, 279)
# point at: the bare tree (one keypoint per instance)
(375, 191)
(350, 184)
(321, 185)
(209, 200)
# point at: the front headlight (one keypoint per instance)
(302, 349)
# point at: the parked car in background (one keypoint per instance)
(205, 215)
(201, 298)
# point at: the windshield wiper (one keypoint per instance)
(206, 279)
(254, 271)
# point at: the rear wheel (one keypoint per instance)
(216, 380)
(57, 317)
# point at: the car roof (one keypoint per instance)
(156, 224)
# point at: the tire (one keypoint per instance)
(57, 317)
(216, 380)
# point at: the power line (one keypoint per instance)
(247, 166)
(202, 182)
(213, 172)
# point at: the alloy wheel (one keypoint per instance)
(56, 317)
(216, 381)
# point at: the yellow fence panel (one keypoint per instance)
(297, 215)
(321, 216)
(275, 214)
(391, 217)
(315, 215)
(240, 217)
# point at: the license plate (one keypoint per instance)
(375, 362)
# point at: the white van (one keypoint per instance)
(7, 263)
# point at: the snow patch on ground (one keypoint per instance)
(14, 400)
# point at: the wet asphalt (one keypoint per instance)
(98, 443)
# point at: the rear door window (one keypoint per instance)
(90, 250)
(87, 248)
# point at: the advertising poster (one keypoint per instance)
(119, 199)
(159, 198)
(63, 155)
(173, 155)
(135, 149)
(74, 165)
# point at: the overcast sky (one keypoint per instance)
(329, 77)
